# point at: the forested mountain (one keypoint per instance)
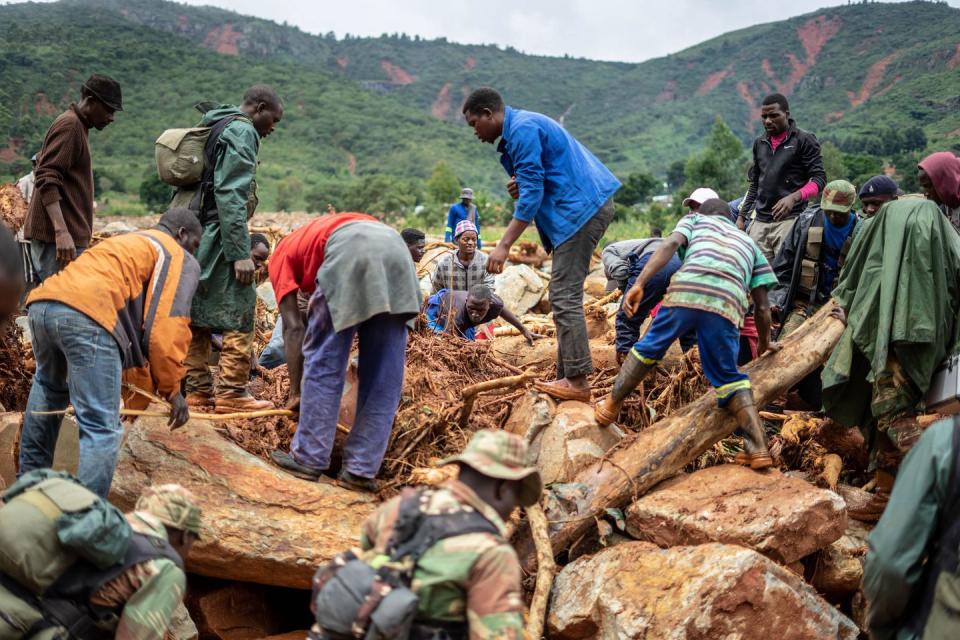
(876, 79)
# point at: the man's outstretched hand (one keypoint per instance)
(497, 259)
(179, 412)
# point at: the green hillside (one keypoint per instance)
(877, 79)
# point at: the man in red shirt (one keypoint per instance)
(361, 281)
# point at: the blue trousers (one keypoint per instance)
(628, 327)
(718, 338)
(78, 362)
(326, 354)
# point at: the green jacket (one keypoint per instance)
(222, 303)
(899, 544)
(900, 287)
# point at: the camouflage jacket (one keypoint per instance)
(148, 592)
(473, 577)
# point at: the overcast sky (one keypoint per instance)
(625, 30)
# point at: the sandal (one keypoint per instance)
(561, 392)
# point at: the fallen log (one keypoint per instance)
(546, 571)
(260, 524)
(667, 446)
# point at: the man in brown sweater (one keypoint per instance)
(59, 222)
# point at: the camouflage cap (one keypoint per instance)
(839, 196)
(172, 505)
(502, 455)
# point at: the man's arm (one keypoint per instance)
(451, 224)
(658, 260)
(146, 614)
(761, 315)
(812, 160)
(526, 156)
(897, 547)
(494, 601)
(746, 207)
(508, 315)
(235, 169)
(293, 332)
(61, 150)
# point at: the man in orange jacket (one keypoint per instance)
(119, 313)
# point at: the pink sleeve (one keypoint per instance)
(809, 190)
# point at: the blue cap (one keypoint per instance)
(879, 186)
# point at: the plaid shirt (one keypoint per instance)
(453, 274)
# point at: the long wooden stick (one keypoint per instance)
(215, 417)
(469, 394)
(546, 570)
(613, 296)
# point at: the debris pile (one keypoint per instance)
(13, 208)
(16, 370)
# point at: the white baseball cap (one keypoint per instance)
(700, 196)
(466, 192)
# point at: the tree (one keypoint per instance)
(443, 187)
(637, 188)
(833, 162)
(676, 175)
(720, 166)
(155, 194)
(289, 191)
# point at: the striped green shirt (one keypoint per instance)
(721, 265)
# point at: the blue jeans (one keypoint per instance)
(79, 363)
(274, 355)
(326, 354)
(718, 338)
(628, 327)
(43, 256)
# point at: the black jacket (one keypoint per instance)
(776, 174)
(787, 264)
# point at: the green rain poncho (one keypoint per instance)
(221, 303)
(900, 287)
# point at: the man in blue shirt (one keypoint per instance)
(460, 211)
(562, 188)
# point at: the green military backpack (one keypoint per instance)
(49, 521)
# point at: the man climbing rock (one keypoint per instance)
(468, 585)
(362, 283)
(708, 294)
(226, 299)
(135, 596)
(59, 223)
(787, 171)
(898, 295)
(462, 269)
(461, 312)
(568, 193)
(462, 211)
(118, 313)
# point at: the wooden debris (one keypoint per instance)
(546, 571)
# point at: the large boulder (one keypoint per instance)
(571, 442)
(64, 459)
(638, 591)
(520, 288)
(260, 524)
(530, 414)
(783, 518)
(839, 567)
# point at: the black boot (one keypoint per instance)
(755, 438)
(631, 375)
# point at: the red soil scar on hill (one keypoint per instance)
(712, 80)
(182, 23)
(872, 80)
(223, 40)
(395, 73)
(12, 151)
(470, 63)
(669, 92)
(42, 106)
(813, 35)
(441, 104)
(954, 62)
(342, 62)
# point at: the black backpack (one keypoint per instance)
(371, 599)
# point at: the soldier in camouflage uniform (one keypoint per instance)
(469, 585)
(151, 593)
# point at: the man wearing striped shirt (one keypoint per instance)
(708, 294)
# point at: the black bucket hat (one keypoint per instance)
(106, 90)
